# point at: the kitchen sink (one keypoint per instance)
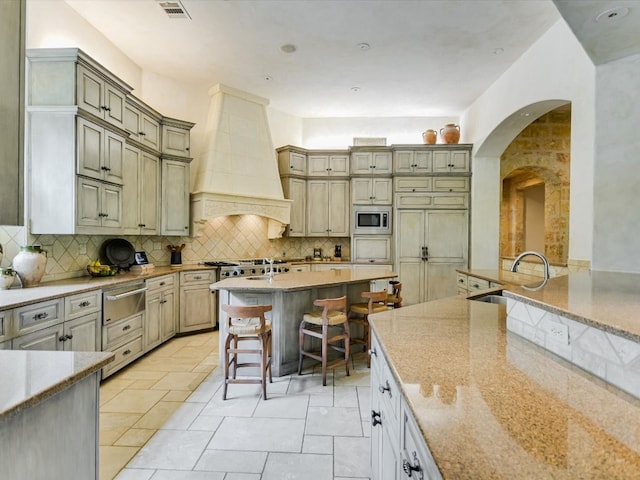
(259, 277)
(491, 299)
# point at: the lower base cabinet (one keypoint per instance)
(124, 339)
(398, 449)
(161, 309)
(197, 301)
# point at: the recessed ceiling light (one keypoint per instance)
(268, 78)
(355, 89)
(288, 48)
(612, 14)
(498, 51)
(364, 46)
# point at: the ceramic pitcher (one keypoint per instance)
(30, 264)
(450, 133)
(429, 137)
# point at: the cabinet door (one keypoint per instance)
(339, 208)
(361, 163)
(410, 161)
(292, 163)
(89, 93)
(410, 228)
(114, 101)
(169, 317)
(382, 191)
(44, 339)
(90, 149)
(318, 165)
(132, 117)
(150, 132)
(113, 157)
(175, 198)
(296, 189)
(88, 206)
(196, 308)
(361, 191)
(450, 161)
(381, 163)
(149, 204)
(176, 141)
(318, 215)
(339, 165)
(153, 320)
(83, 334)
(131, 196)
(370, 248)
(111, 206)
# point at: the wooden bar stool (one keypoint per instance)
(247, 323)
(394, 299)
(316, 324)
(359, 315)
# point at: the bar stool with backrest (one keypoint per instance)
(321, 324)
(247, 323)
(394, 299)
(359, 315)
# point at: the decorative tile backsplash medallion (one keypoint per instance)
(224, 238)
(610, 357)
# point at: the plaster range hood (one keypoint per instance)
(238, 171)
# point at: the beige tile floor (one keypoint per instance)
(163, 418)
(138, 400)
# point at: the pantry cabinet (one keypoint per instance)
(327, 208)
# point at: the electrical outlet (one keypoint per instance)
(557, 331)
(82, 249)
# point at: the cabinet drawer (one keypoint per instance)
(434, 200)
(39, 315)
(124, 354)
(461, 280)
(161, 282)
(194, 278)
(474, 283)
(82, 304)
(412, 184)
(5, 324)
(451, 184)
(116, 333)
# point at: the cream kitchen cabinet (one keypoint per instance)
(327, 164)
(430, 244)
(83, 321)
(6, 327)
(99, 207)
(416, 459)
(323, 267)
(385, 417)
(371, 191)
(371, 161)
(328, 208)
(451, 160)
(371, 248)
(161, 312)
(142, 123)
(304, 267)
(125, 338)
(99, 96)
(176, 137)
(141, 192)
(175, 198)
(292, 161)
(431, 184)
(197, 301)
(295, 189)
(412, 161)
(376, 285)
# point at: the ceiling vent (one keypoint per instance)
(174, 9)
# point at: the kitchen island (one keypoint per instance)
(49, 405)
(488, 404)
(291, 295)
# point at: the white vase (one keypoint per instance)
(30, 264)
(6, 281)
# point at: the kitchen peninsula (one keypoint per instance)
(292, 294)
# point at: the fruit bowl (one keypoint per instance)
(102, 270)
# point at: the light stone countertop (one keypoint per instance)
(609, 301)
(30, 377)
(17, 297)
(502, 276)
(492, 405)
(302, 280)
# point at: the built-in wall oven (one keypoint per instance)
(123, 301)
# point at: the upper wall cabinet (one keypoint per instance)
(329, 164)
(99, 96)
(292, 161)
(142, 123)
(371, 161)
(176, 137)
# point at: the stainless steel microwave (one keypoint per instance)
(371, 220)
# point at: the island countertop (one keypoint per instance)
(30, 377)
(492, 405)
(609, 301)
(302, 280)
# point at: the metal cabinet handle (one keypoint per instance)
(126, 352)
(126, 327)
(385, 388)
(86, 303)
(375, 418)
(68, 337)
(126, 294)
(61, 338)
(409, 468)
(40, 316)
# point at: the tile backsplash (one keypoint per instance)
(224, 238)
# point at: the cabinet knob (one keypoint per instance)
(385, 388)
(126, 327)
(61, 338)
(126, 352)
(375, 418)
(187, 149)
(84, 304)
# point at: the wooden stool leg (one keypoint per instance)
(347, 341)
(325, 334)
(301, 346)
(263, 365)
(367, 340)
(227, 344)
(269, 356)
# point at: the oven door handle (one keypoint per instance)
(126, 294)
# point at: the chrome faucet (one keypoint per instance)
(516, 262)
(269, 272)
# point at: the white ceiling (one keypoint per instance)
(426, 57)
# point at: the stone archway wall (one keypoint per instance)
(539, 154)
